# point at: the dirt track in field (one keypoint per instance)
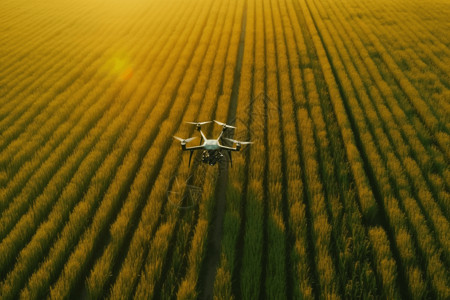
(212, 258)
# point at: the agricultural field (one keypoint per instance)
(344, 193)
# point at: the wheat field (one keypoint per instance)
(344, 193)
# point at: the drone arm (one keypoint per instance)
(201, 132)
(221, 133)
(192, 148)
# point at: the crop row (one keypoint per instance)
(133, 103)
(372, 133)
(46, 125)
(50, 80)
(418, 167)
(223, 284)
(140, 153)
(151, 213)
(430, 82)
(344, 192)
(86, 208)
(350, 232)
(189, 286)
(44, 173)
(428, 159)
(57, 215)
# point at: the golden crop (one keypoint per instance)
(344, 194)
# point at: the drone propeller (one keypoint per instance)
(224, 125)
(199, 123)
(184, 141)
(238, 142)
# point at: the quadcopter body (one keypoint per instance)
(212, 149)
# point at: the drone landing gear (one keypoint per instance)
(190, 157)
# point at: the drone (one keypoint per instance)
(212, 148)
